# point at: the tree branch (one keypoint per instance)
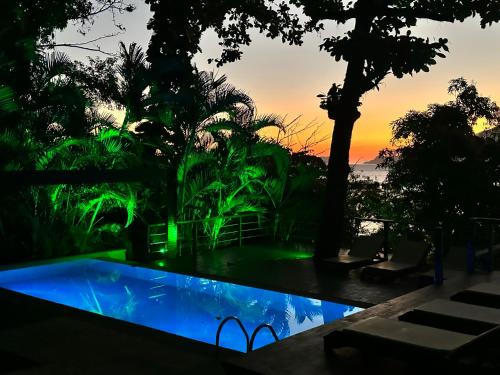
(98, 49)
(419, 13)
(82, 45)
(118, 5)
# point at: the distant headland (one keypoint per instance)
(377, 160)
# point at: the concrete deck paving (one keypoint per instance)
(305, 354)
(282, 268)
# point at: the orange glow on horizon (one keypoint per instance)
(359, 153)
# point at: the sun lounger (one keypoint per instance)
(454, 316)
(404, 339)
(363, 252)
(484, 294)
(408, 255)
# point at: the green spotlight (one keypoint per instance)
(172, 236)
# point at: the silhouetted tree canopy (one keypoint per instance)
(28, 26)
(179, 25)
(177, 28)
(439, 170)
(380, 42)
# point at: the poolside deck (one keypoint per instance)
(282, 268)
(37, 337)
(304, 353)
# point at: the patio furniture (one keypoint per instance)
(363, 252)
(454, 316)
(484, 294)
(407, 340)
(407, 256)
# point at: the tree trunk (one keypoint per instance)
(332, 225)
(344, 111)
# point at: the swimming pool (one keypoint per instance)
(182, 305)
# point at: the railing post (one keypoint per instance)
(490, 247)
(240, 235)
(386, 240)
(438, 257)
(194, 250)
(275, 225)
(470, 249)
(180, 248)
(357, 224)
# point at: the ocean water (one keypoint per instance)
(366, 170)
(370, 171)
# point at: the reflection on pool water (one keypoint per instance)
(183, 305)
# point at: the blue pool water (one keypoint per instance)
(183, 305)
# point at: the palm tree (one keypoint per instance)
(87, 206)
(183, 135)
(56, 105)
(133, 75)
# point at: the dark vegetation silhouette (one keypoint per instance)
(379, 44)
(440, 171)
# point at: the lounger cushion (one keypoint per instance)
(491, 288)
(485, 294)
(420, 336)
(460, 310)
(346, 259)
(407, 257)
(392, 266)
(362, 253)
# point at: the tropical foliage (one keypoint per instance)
(220, 164)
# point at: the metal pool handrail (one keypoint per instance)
(221, 325)
(254, 334)
(248, 341)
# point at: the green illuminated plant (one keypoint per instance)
(85, 206)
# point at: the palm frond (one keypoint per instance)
(219, 124)
(56, 62)
(266, 121)
(226, 98)
(133, 60)
(98, 119)
(9, 139)
(60, 150)
(7, 101)
(193, 160)
(279, 155)
(50, 66)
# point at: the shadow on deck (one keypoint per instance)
(291, 270)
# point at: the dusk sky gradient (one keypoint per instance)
(285, 79)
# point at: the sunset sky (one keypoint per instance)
(285, 79)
